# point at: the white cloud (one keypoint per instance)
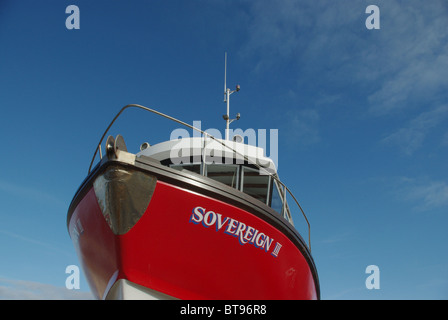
(401, 65)
(37, 243)
(433, 195)
(445, 139)
(412, 56)
(303, 126)
(337, 238)
(426, 194)
(299, 31)
(30, 193)
(398, 71)
(30, 290)
(411, 137)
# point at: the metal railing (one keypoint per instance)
(98, 149)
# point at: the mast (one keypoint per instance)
(227, 93)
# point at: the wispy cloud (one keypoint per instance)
(282, 31)
(316, 36)
(411, 137)
(37, 243)
(412, 56)
(445, 139)
(30, 193)
(348, 293)
(29, 290)
(303, 126)
(400, 68)
(327, 41)
(425, 194)
(337, 238)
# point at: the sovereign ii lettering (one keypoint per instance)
(245, 233)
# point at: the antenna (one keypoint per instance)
(225, 76)
(227, 94)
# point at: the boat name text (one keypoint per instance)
(245, 233)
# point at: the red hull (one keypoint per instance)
(167, 251)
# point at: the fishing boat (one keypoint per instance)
(192, 218)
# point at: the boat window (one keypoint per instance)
(276, 201)
(227, 174)
(255, 184)
(196, 168)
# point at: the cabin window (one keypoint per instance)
(196, 168)
(227, 174)
(276, 201)
(255, 184)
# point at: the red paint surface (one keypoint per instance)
(167, 253)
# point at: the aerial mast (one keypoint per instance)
(227, 93)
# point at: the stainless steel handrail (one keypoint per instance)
(98, 148)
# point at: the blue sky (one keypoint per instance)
(362, 118)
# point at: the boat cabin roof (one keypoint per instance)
(210, 151)
(237, 165)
